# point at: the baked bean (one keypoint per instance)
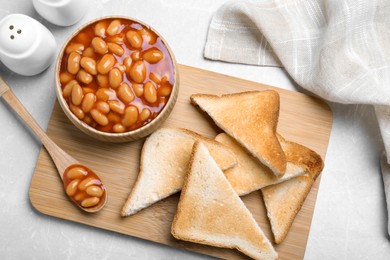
(89, 65)
(76, 111)
(138, 89)
(124, 93)
(150, 92)
(138, 71)
(88, 120)
(114, 27)
(67, 90)
(127, 63)
(88, 102)
(145, 114)
(153, 55)
(136, 55)
(76, 173)
(65, 77)
(84, 184)
(74, 63)
(71, 189)
(164, 79)
(77, 94)
(118, 39)
(103, 94)
(116, 106)
(115, 48)
(121, 68)
(80, 196)
(90, 202)
(102, 80)
(155, 78)
(99, 117)
(148, 36)
(115, 77)
(99, 45)
(77, 47)
(103, 107)
(118, 128)
(134, 39)
(87, 90)
(106, 63)
(88, 52)
(84, 76)
(94, 191)
(113, 117)
(100, 29)
(130, 116)
(83, 38)
(164, 90)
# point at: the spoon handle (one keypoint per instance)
(60, 158)
(3, 86)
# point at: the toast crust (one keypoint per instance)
(251, 118)
(283, 201)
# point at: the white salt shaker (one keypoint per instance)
(26, 46)
(61, 12)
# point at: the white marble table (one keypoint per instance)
(350, 217)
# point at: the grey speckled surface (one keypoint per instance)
(350, 216)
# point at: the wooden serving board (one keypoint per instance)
(303, 119)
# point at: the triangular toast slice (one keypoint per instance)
(251, 118)
(211, 213)
(164, 161)
(284, 200)
(249, 175)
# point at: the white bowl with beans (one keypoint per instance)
(116, 79)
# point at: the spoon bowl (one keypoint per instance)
(61, 159)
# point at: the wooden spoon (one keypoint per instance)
(61, 159)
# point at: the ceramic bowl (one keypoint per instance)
(131, 135)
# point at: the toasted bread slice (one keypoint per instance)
(284, 200)
(164, 161)
(250, 118)
(211, 213)
(250, 175)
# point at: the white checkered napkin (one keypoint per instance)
(337, 49)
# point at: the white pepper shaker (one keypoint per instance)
(26, 46)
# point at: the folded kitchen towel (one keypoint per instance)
(337, 49)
